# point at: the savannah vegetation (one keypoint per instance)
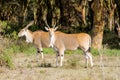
(95, 17)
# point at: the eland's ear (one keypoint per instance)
(46, 28)
(55, 28)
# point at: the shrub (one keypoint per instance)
(5, 56)
(6, 60)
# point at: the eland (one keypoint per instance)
(60, 42)
(39, 38)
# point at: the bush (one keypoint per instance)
(5, 56)
(8, 29)
(6, 60)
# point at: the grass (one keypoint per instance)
(42, 71)
(10, 47)
(48, 51)
(73, 65)
(5, 53)
(30, 50)
(45, 64)
(112, 52)
(17, 46)
(7, 61)
(73, 69)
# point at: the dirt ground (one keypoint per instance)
(26, 68)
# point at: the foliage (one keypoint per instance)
(8, 29)
(111, 40)
(6, 60)
(68, 13)
(5, 54)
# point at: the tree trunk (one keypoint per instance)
(111, 17)
(98, 35)
(98, 24)
(55, 12)
(25, 10)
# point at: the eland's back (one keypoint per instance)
(72, 41)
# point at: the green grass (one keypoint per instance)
(48, 51)
(107, 51)
(30, 49)
(20, 46)
(95, 52)
(112, 52)
(9, 48)
(6, 60)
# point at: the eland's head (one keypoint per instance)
(23, 31)
(51, 34)
(27, 33)
(51, 30)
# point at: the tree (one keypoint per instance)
(98, 23)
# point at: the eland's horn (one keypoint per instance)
(47, 24)
(32, 22)
(54, 25)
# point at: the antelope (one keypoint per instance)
(39, 38)
(60, 42)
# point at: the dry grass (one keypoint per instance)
(26, 68)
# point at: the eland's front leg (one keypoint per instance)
(86, 58)
(39, 51)
(61, 57)
(57, 56)
(90, 57)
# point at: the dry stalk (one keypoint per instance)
(101, 51)
(117, 67)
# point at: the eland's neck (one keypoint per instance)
(29, 36)
(52, 40)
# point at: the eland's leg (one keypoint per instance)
(37, 55)
(57, 56)
(39, 51)
(61, 57)
(90, 57)
(86, 58)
